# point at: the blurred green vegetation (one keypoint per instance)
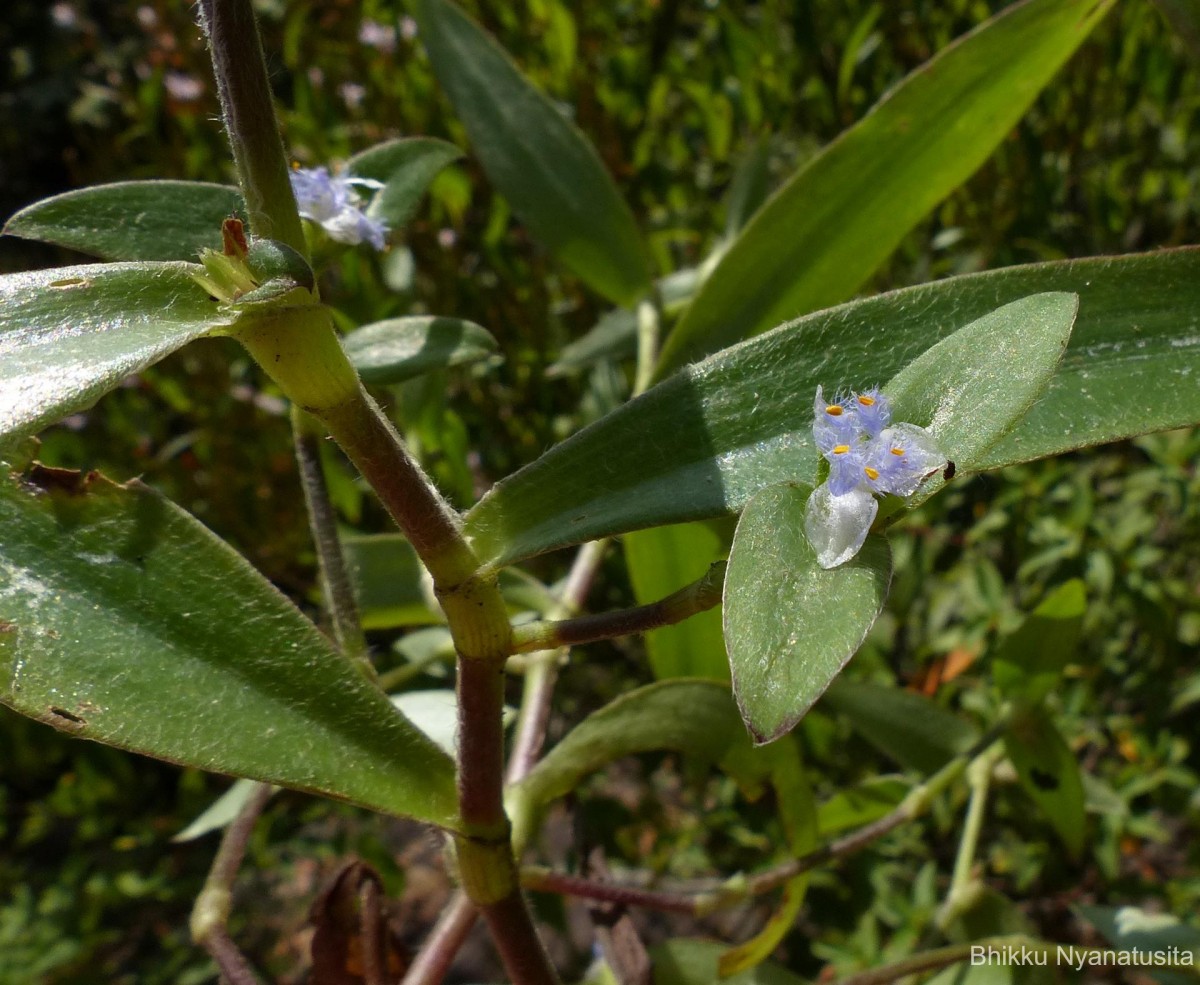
(674, 95)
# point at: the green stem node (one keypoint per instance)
(297, 347)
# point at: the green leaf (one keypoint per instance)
(749, 187)
(1049, 772)
(398, 349)
(697, 718)
(406, 167)
(1029, 662)
(220, 813)
(386, 575)
(388, 581)
(688, 962)
(791, 625)
(861, 804)
(540, 162)
(1127, 927)
(916, 732)
(133, 220)
(614, 336)
(69, 335)
(973, 388)
(822, 235)
(717, 432)
(118, 623)
(797, 810)
(661, 561)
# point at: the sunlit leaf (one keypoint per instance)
(1030, 661)
(661, 561)
(823, 233)
(539, 161)
(71, 334)
(713, 435)
(790, 624)
(124, 620)
(132, 220)
(398, 349)
(406, 167)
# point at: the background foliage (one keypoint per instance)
(675, 96)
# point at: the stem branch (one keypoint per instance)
(210, 915)
(696, 597)
(331, 560)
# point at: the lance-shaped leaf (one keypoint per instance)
(123, 620)
(696, 962)
(972, 389)
(398, 349)
(1049, 772)
(910, 728)
(798, 812)
(69, 335)
(539, 161)
(1028, 663)
(406, 167)
(132, 220)
(660, 561)
(791, 625)
(694, 717)
(703, 442)
(823, 233)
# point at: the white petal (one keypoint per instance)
(837, 525)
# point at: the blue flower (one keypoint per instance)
(333, 202)
(868, 456)
(838, 435)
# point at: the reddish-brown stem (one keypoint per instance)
(608, 892)
(516, 939)
(374, 447)
(211, 912)
(234, 967)
(443, 942)
(680, 605)
(542, 674)
(481, 743)
(340, 602)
